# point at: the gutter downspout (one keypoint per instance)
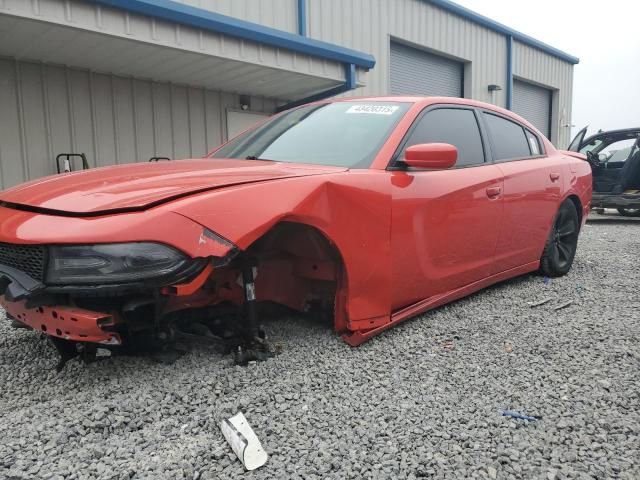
(349, 84)
(509, 89)
(302, 18)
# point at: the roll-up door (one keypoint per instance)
(416, 72)
(534, 104)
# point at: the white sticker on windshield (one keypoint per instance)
(373, 109)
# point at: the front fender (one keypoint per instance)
(353, 210)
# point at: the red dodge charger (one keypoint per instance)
(374, 209)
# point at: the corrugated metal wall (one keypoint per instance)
(280, 14)
(151, 48)
(46, 110)
(368, 25)
(535, 66)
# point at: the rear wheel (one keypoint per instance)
(629, 212)
(560, 249)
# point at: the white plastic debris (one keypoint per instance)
(244, 441)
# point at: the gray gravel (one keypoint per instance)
(422, 400)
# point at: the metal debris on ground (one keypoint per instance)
(519, 416)
(563, 305)
(540, 302)
(243, 441)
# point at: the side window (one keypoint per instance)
(616, 152)
(508, 138)
(534, 143)
(455, 126)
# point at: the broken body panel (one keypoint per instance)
(373, 245)
(614, 156)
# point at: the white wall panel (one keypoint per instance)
(13, 167)
(47, 110)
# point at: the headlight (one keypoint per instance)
(111, 263)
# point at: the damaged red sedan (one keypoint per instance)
(374, 209)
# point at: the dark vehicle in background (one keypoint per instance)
(615, 162)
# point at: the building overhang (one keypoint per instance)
(166, 41)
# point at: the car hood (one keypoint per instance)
(139, 186)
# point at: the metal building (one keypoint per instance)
(127, 80)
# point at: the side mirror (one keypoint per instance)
(431, 155)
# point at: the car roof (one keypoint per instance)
(610, 133)
(426, 101)
(422, 100)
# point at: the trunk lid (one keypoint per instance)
(139, 186)
(580, 156)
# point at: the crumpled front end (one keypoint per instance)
(91, 287)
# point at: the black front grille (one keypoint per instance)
(29, 259)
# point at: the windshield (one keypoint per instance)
(343, 134)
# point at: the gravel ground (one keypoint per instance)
(422, 400)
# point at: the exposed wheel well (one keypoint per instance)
(298, 266)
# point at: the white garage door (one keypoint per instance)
(533, 103)
(415, 72)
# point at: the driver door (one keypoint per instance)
(445, 223)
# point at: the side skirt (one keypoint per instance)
(357, 338)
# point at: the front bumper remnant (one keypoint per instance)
(68, 323)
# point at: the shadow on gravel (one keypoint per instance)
(613, 221)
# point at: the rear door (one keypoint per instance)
(445, 223)
(532, 188)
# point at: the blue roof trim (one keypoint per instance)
(206, 20)
(500, 28)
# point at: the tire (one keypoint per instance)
(629, 212)
(562, 243)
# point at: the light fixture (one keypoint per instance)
(245, 102)
(494, 88)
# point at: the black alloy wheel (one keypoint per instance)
(562, 243)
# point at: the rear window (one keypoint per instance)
(508, 139)
(534, 143)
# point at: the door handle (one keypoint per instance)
(554, 176)
(493, 192)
